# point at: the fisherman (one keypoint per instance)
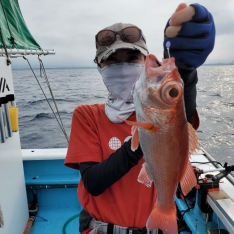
(113, 200)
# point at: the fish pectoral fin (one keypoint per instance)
(135, 138)
(147, 126)
(193, 139)
(189, 180)
(164, 219)
(143, 176)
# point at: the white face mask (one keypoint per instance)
(120, 79)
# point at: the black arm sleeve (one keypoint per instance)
(189, 76)
(97, 177)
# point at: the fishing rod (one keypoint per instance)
(226, 170)
(223, 172)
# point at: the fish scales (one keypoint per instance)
(164, 148)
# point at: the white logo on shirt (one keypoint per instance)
(115, 143)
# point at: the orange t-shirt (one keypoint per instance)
(94, 138)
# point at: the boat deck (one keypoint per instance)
(55, 187)
(56, 218)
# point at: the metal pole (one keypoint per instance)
(2, 127)
(4, 121)
(8, 121)
(11, 52)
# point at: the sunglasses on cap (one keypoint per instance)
(130, 34)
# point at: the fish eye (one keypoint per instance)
(174, 92)
(171, 92)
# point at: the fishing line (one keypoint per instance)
(62, 128)
(52, 95)
(168, 45)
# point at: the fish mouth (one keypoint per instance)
(157, 81)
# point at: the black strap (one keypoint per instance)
(84, 220)
(110, 228)
(142, 231)
(137, 231)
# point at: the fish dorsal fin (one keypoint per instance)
(193, 139)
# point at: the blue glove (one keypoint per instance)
(195, 40)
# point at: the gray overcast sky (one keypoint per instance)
(69, 26)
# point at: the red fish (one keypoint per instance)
(166, 139)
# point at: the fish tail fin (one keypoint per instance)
(164, 219)
(189, 180)
(147, 126)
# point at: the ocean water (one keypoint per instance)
(71, 87)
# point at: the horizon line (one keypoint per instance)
(24, 68)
